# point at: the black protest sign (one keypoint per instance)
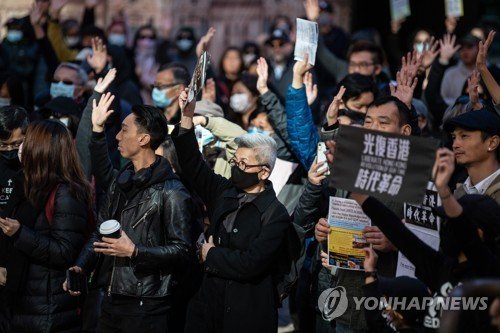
(423, 215)
(384, 165)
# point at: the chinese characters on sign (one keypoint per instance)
(387, 166)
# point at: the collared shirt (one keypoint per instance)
(482, 186)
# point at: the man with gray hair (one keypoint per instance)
(69, 80)
(245, 240)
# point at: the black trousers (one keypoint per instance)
(128, 318)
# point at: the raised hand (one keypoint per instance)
(300, 68)
(411, 63)
(55, 8)
(377, 239)
(204, 42)
(91, 3)
(36, 14)
(444, 166)
(447, 48)
(311, 89)
(312, 9)
(263, 74)
(333, 110)
(406, 85)
(103, 83)
(186, 108)
(99, 57)
(208, 91)
(314, 176)
(483, 51)
(430, 53)
(101, 112)
(473, 90)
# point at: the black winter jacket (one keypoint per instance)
(51, 248)
(158, 219)
(243, 271)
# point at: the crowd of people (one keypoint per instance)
(98, 126)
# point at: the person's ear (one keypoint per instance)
(266, 172)
(406, 130)
(144, 140)
(480, 233)
(378, 69)
(493, 143)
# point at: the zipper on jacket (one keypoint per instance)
(143, 218)
(112, 276)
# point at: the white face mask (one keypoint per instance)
(4, 101)
(72, 41)
(239, 102)
(419, 47)
(19, 152)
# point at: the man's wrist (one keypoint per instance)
(263, 90)
(298, 81)
(186, 122)
(444, 61)
(97, 128)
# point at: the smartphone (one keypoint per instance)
(76, 281)
(321, 156)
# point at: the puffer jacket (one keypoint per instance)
(51, 248)
(158, 220)
(302, 133)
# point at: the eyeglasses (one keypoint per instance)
(243, 166)
(164, 86)
(362, 64)
(11, 146)
(66, 82)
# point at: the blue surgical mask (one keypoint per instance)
(184, 44)
(14, 36)
(257, 130)
(117, 39)
(419, 47)
(61, 89)
(4, 101)
(160, 98)
(204, 135)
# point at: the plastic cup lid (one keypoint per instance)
(108, 227)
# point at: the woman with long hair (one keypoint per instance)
(46, 231)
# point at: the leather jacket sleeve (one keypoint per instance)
(102, 168)
(177, 219)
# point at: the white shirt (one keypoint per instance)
(453, 82)
(482, 186)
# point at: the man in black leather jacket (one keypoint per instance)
(140, 269)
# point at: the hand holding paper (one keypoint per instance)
(307, 41)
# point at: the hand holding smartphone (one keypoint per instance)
(321, 157)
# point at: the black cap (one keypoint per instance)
(278, 34)
(408, 287)
(63, 106)
(470, 40)
(480, 120)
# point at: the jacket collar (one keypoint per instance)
(262, 201)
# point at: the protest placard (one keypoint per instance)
(307, 40)
(424, 223)
(346, 240)
(384, 165)
(199, 76)
(400, 9)
(454, 8)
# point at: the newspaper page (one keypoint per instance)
(346, 240)
(307, 40)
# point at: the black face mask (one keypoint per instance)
(12, 159)
(242, 179)
(356, 116)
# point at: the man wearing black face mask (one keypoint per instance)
(13, 123)
(245, 235)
